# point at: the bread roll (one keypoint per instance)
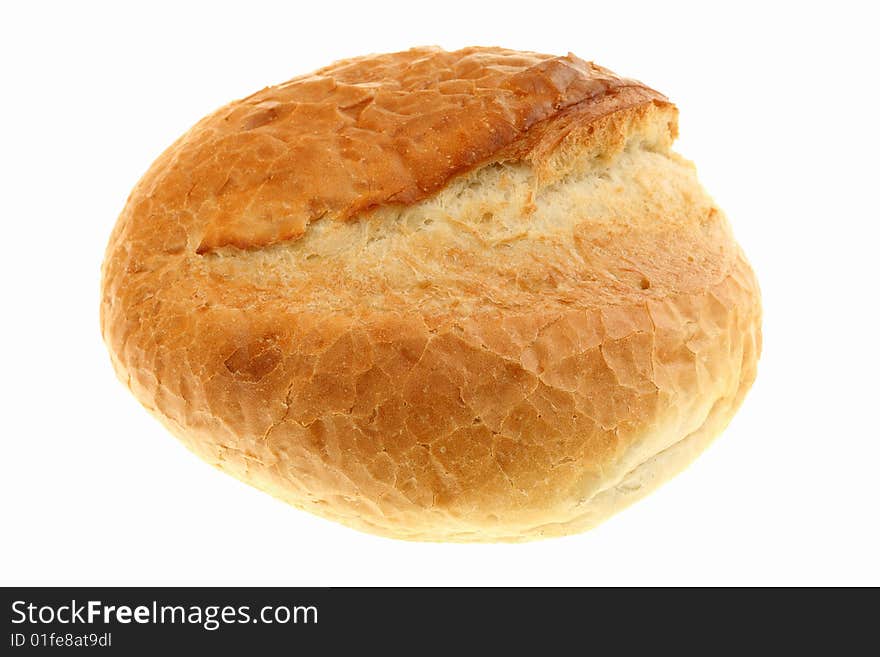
(445, 296)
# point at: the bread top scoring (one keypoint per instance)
(373, 131)
(582, 204)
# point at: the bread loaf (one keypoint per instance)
(450, 296)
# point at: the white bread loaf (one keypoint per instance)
(460, 296)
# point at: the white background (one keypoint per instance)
(779, 107)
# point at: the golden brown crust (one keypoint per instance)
(460, 349)
(371, 131)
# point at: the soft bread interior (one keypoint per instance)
(513, 234)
